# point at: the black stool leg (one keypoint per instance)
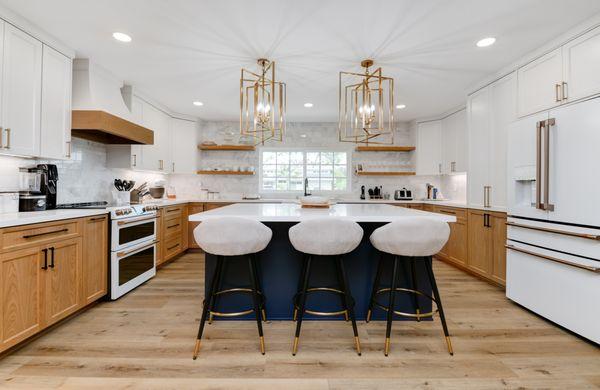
(256, 300)
(300, 284)
(207, 301)
(348, 300)
(306, 278)
(215, 297)
(415, 286)
(375, 287)
(390, 312)
(256, 267)
(438, 300)
(341, 284)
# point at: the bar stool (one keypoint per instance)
(324, 237)
(228, 237)
(411, 239)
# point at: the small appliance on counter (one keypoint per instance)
(157, 191)
(375, 193)
(37, 190)
(403, 194)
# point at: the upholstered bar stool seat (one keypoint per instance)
(325, 237)
(409, 239)
(232, 236)
(226, 238)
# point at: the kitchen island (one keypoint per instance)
(280, 263)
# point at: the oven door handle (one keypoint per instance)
(127, 253)
(128, 222)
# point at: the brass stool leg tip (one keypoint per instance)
(262, 345)
(368, 316)
(295, 315)
(346, 316)
(449, 343)
(264, 315)
(418, 315)
(295, 347)
(386, 351)
(210, 318)
(196, 349)
(357, 343)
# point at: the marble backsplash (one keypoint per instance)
(86, 177)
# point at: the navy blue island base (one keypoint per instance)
(279, 271)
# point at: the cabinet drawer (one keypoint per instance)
(460, 214)
(172, 247)
(172, 227)
(173, 212)
(26, 236)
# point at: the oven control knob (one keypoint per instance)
(118, 212)
(128, 211)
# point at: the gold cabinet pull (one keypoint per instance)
(554, 259)
(1, 139)
(45, 233)
(556, 231)
(69, 149)
(557, 88)
(565, 91)
(7, 139)
(547, 206)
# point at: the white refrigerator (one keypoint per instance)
(553, 241)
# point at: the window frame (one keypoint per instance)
(305, 151)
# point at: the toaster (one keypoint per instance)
(403, 194)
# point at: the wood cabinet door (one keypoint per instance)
(193, 208)
(21, 92)
(480, 243)
(540, 83)
(458, 242)
(56, 105)
(62, 280)
(160, 236)
(581, 58)
(498, 271)
(22, 283)
(94, 264)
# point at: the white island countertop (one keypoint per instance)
(293, 212)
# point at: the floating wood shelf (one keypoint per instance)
(374, 173)
(225, 173)
(227, 147)
(384, 148)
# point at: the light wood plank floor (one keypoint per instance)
(145, 340)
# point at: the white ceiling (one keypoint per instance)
(186, 50)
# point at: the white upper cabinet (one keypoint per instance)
(21, 92)
(57, 78)
(581, 66)
(184, 151)
(156, 157)
(540, 83)
(478, 114)
(454, 145)
(564, 75)
(490, 112)
(429, 148)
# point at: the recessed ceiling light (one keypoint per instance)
(308, 105)
(401, 106)
(303, 136)
(121, 37)
(196, 103)
(485, 42)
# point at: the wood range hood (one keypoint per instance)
(101, 109)
(101, 126)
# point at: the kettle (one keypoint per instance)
(403, 194)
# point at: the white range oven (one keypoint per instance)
(132, 247)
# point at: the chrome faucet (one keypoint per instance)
(306, 193)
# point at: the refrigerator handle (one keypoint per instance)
(538, 166)
(547, 205)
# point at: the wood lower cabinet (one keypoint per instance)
(456, 249)
(22, 285)
(193, 208)
(94, 268)
(62, 280)
(487, 237)
(173, 232)
(58, 268)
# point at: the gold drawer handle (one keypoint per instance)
(174, 246)
(554, 259)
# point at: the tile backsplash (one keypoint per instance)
(86, 177)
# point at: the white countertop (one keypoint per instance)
(26, 218)
(292, 212)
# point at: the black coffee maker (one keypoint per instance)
(48, 184)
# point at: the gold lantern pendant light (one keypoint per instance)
(262, 104)
(366, 102)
